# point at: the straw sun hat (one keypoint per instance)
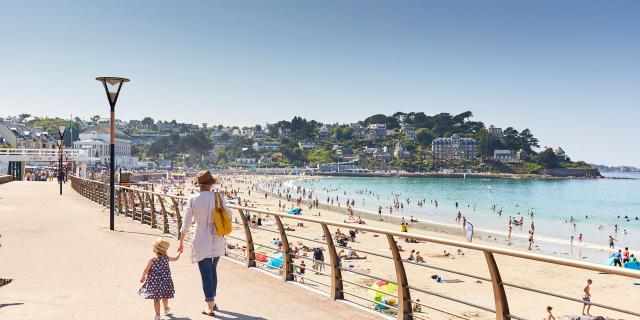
(205, 177)
(160, 246)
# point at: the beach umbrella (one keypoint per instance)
(384, 286)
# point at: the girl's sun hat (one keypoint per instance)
(160, 246)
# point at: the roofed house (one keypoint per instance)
(454, 148)
(560, 154)
(19, 136)
(266, 146)
(96, 141)
(377, 131)
(309, 144)
(504, 156)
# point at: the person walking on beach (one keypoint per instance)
(207, 246)
(156, 278)
(586, 298)
(611, 242)
(625, 255)
(580, 239)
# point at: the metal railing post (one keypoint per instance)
(404, 295)
(251, 253)
(499, 296)
(336, 274)
(287, 274)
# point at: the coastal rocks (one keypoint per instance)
(571, 172)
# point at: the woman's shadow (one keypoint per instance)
(227, 315)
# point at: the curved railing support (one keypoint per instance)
(165, 219)
(152, 207)
(178, 217)
(500, 297)
(251, 254)
(287, 273)
(337, 290)
(404, 295)
(125, 196)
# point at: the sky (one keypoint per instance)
(567, 70)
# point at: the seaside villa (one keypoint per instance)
(454, 148)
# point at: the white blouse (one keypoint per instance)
(206, 242)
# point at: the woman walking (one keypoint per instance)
(207, 246)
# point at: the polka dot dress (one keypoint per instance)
(159, 284)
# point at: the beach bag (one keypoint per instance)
(221, 218)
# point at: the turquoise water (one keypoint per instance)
(552, 202)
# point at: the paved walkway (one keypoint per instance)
(68, 265)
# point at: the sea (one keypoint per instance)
(561, 208)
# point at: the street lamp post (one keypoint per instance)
(112, 86)
(61, 130)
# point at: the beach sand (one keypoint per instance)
(606, 289)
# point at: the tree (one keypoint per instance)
(461, 118)
(344, 133)
(511, 139)
(424, 137)
(148, 121)
(390, 122)
(320, 155)
(547, 159)
(486, 143)
(527, 140)
(23, 117)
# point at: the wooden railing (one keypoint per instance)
(5, 179)
(344, 282)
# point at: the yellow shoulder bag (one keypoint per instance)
(221, 217)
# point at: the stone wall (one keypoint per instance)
(571, 172)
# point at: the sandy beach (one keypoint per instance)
(611, 290)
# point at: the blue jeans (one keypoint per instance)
(209, 276)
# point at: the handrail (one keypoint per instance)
(96, 191)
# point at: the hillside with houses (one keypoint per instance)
(411, 142)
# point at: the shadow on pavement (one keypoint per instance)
(228, 315)
(2, 305)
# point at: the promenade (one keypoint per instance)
(66, 264)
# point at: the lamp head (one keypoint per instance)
(61, 130)
(112, 86)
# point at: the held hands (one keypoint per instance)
(142, 279)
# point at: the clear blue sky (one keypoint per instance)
(568, 70)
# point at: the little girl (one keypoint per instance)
(157, 278)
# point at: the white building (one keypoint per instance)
(504, 156)
(95, 140)
(265, 146)
(309, 144)
(560, 154)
